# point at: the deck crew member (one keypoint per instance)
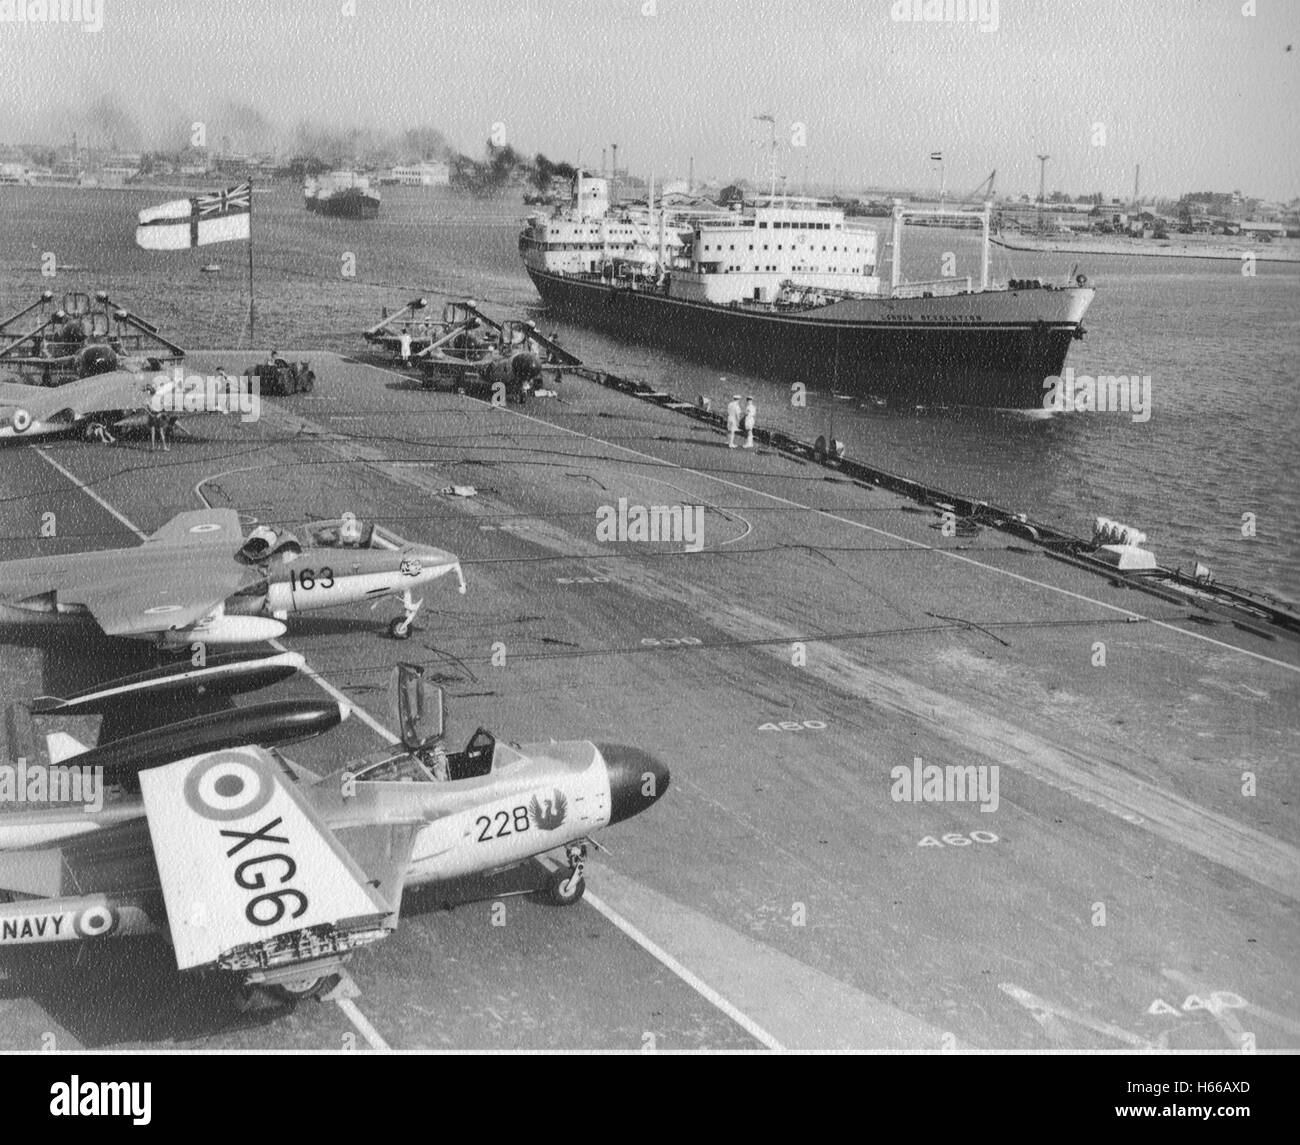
(733, 420)
(751, 415)
(158, 429)
(405, 345)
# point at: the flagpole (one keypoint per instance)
(252, 306)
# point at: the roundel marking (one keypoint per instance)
(209, 527)
(228, 786)
(22, 419)
(411, 567)
(96, 921)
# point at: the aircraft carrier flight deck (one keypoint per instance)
(1123, 875)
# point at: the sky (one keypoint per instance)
(1202, 93)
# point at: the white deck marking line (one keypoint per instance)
(364, 716)
(702, 988)
(348, 1007)
(1038, 1006)
(359, 1020)
(895, 537)
(705, 991)
(88, 491)
(345, 1004)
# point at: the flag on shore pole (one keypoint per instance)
(216, 217)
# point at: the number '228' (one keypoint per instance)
(307, 579)
(519, 815)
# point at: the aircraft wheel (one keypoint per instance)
(561, 892)
(400, 629)
(303, 988)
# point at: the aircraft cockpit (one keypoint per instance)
(397, 767)
(346, 533)
(429, 764)
(266, 544)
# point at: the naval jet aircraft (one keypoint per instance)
(103, 402)
(199, 580)
(256, 866)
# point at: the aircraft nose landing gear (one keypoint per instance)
(566, 886)
(401, 627)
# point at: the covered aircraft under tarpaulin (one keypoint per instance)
(80, 336)
(471, 351)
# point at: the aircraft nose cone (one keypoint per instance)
(433, 561)
(636, 779)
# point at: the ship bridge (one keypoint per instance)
(747, 255)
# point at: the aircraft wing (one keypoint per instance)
(176, 578)
(117, 390)
(201, 529)
(83, 398)
(384, 852)
(244, 857)
(20, 394)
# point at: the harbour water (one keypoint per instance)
(1217, 460)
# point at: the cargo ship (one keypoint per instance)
(341, 194)
(785, 288)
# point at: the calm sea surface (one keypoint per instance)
(1222, 351)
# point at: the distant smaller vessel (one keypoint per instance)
(342, 194)
(211, 268)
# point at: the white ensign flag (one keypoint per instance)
(217, 217)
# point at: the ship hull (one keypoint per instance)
(349, 204)
(988, 349)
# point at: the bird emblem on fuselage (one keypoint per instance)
(548, 814)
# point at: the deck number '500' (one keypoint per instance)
(502, 821)
(307, 579)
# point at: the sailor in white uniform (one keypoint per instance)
(733, 421)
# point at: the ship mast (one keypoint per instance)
(771, 162)
(1042, 187)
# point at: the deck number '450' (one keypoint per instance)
(502, 822)
(307, 579)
